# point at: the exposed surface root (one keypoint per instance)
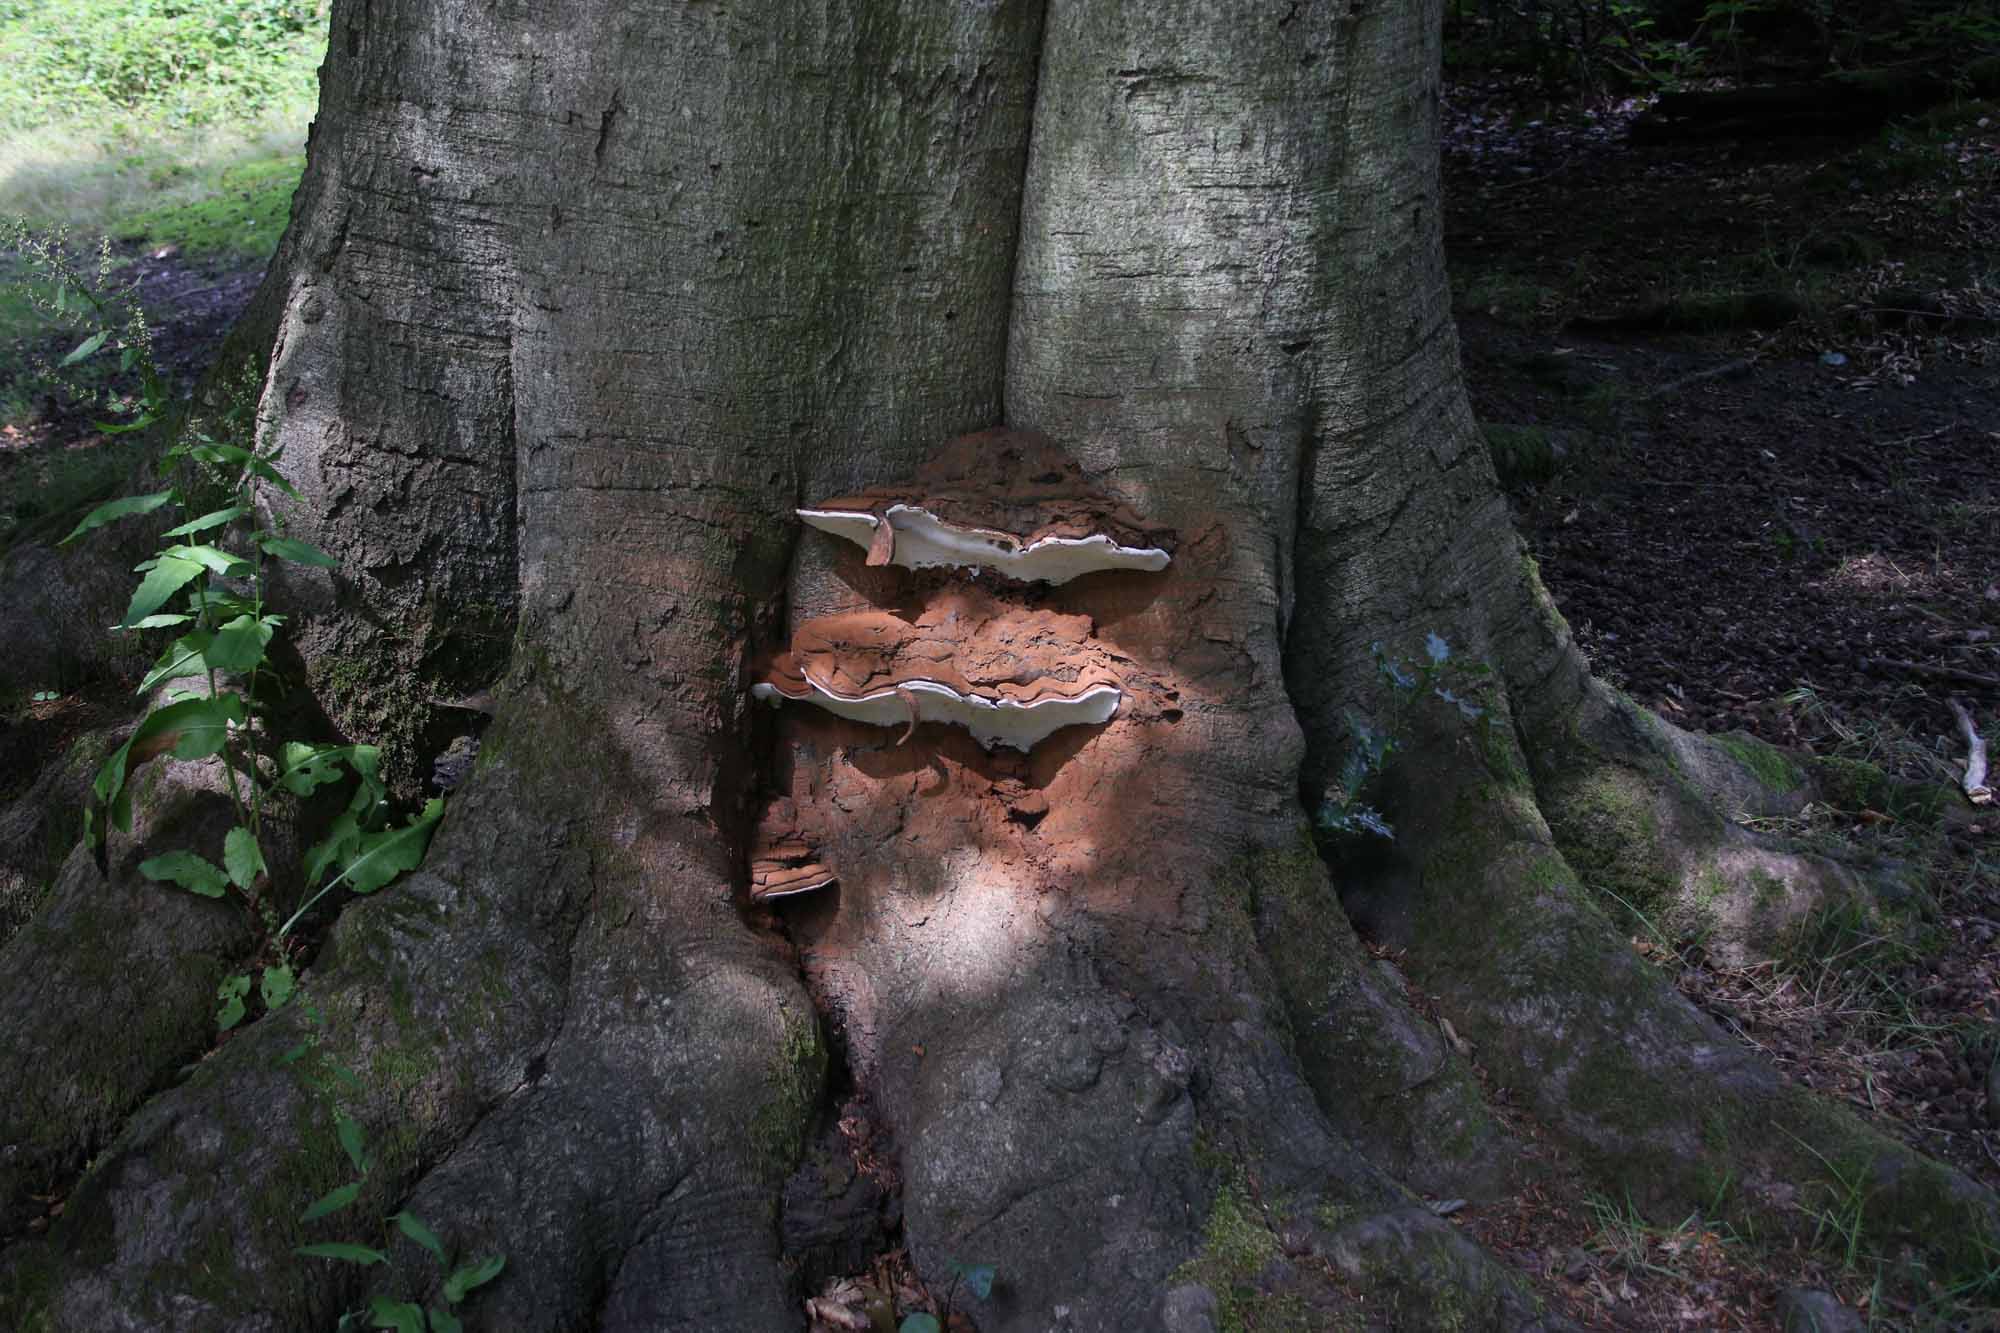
(524, 1007)
(1658, 1102)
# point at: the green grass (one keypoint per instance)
(166, 122)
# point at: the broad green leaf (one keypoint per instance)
(296, 551)
(213, 519)
(166, 576)
(187, 870)
(231, 993)
(123, 427)
(185, 656)
(472, 1276)
(331, 850)
(413, 1226)
(87, 348)
(193, 728)
(293, 1055)
(352, 1142)
(310, 767)
(205, 729)
(380, 857)
(115, 510)
(229, 455)
(165, 620)
(239, 645)
(918, 1323)
(399, 1315)
(343, 1251)
(213, 558)
(278, 984)
(444, 1321)
(332, 1201)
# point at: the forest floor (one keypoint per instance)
(1746, 398)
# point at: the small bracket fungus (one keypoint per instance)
(786, 869)
(915, 538)
(1000, 499)
(1012, 678)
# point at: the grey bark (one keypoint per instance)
(578, 303)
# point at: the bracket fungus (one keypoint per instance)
(999, 499)
(784, 869)
(1010, 677)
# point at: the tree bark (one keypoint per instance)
(578, 304)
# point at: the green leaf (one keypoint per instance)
(978, 1278)
(413, 1226)
(115, 510)
(185, 656)
(213, 519)
(331, 850)
(444, 1321)
(213, 558)
(239, 645)
(332, 1201)
(87, 348)
(193, 728)
(229, 455)
(343, 1251)
(310, 767)
(187, 870)
(380, 857)
(298, 552)
(399, 1315)
(167, 576)
(352, 1141)
(121, 428)
(472, 1276)
(278, 984)
(918, 1323)
(231, 993)
(164, 620)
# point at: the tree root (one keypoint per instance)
(496, 1002)
(1658, 1102)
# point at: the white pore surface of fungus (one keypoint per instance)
(991, 721)
(924, 540)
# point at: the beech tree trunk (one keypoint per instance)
(579, 303)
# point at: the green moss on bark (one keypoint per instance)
(1766, 763)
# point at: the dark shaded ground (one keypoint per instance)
(1798, 548)
(54, 458)
(1756, 393)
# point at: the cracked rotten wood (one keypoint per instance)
(580, 304)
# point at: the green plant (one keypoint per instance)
(461, 1277)
(208, 583)
(1370, 748)
(181, 61)
(976, 1279)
